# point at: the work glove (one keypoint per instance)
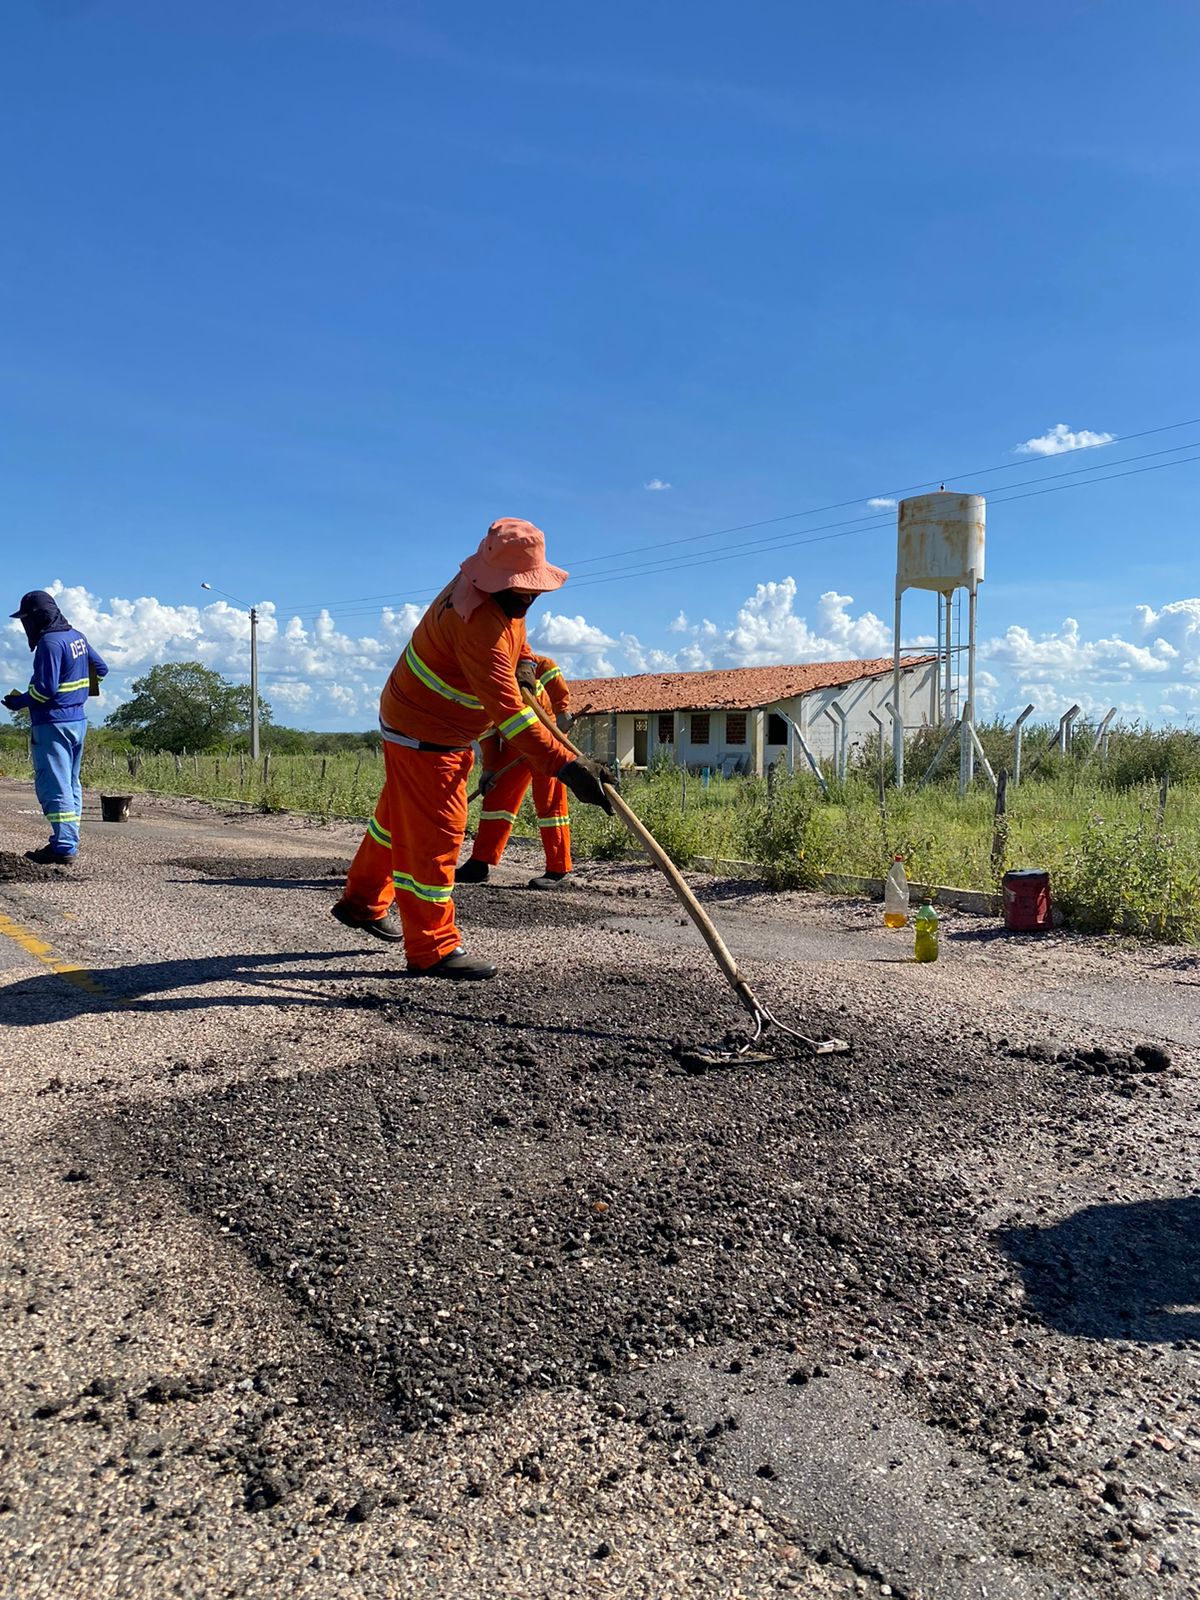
(12, 700)
(565, 721)
(586, 782)
(527, 674)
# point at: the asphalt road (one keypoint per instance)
(321, 1281)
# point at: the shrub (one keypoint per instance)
(774, 830)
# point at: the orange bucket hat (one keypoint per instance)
(512, 555)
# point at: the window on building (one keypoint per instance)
(735, 727)
(700, 720)
(777, 729)
(666, 728)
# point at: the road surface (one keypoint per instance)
(321, 1281)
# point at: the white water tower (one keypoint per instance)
(939, 546)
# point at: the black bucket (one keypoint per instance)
(115, 807)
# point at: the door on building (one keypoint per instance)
(641, 741)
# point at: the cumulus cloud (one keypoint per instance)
(1058, 439)
(881, 502)
(657, 484)
(316, 674)
(578, 645)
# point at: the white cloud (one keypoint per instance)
(1058, 439)
(578, 646)
(317, 675)
(657, 484)
(882, 502)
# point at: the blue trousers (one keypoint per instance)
(57, 754)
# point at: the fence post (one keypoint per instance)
(771, 787)
(1018, 738)
(878, 721)
(266, 771)
(1064, 729)
(1000, 821)
(1102, 733)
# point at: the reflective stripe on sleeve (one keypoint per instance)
(518, 723)
(431, 681)
(549, 677)
(33, 693)
(437, 893)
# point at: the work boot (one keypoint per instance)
(548, 880)
(46, 857)
(472, 871)
(384, 927)
(458, 964)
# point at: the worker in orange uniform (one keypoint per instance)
(506, 776)
(456, 677)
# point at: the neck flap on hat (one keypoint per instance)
(465, 597)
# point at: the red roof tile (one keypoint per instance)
(731, 688)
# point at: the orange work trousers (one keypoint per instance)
(410, 849)
(500, 806)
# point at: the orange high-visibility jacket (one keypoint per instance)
(551, 689)
(457, 678)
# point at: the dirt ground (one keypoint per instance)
(319, 1280)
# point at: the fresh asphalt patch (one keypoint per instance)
(539, 1199)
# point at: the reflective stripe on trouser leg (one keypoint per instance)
(501, 804)
(550, 801)
(427, 818)
(57, 751)
(369, 891)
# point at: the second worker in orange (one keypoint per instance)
(456, 678)
(507, 775)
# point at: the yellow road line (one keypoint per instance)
(43, 952)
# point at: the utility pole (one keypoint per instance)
(253, 610)
(253, 683)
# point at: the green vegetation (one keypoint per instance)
(1118, 857)
(183, 705)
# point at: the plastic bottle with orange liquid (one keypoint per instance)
(895, 896)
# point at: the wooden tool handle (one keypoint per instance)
(476, 792)
(660, 858)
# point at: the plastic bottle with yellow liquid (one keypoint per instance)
(895, 896)
(925, 944)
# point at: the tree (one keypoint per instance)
(185, 706)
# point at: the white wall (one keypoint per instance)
(858, 700)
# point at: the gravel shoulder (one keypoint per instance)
(319, 1280)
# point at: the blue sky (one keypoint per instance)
(301, 295)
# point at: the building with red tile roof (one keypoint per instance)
(746, 718)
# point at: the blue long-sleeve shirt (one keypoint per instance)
(58, 685)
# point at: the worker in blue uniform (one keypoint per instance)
(65, 666)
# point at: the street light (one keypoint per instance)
(253, 664)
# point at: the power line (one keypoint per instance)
(703, 561)
(845, 528)
(790, 516)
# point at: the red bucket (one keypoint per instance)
(1026, 900)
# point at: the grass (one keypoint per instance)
(1117, 859)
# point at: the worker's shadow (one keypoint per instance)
(1115, 1271)
(155, 986)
